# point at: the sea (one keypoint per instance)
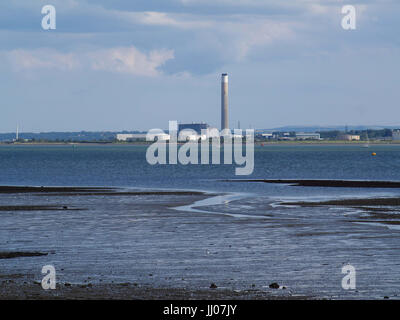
(241, 235)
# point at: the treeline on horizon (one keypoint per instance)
(364, 134)
(81, 136)
(110, 136)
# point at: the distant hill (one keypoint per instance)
(321, 128)
(65, 136)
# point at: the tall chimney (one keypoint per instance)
(224, 102)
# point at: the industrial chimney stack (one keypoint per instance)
(224, 102)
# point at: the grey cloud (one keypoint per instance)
(205, 35)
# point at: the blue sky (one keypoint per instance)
(134, 65)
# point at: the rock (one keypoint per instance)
(213, 286)
(385, 297)
(274, 285)
(17, 254)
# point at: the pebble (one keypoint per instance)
(274, 285)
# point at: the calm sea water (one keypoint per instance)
(234, 240)
(126, 166)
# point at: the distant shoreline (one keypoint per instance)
(257, 143)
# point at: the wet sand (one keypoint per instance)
(126, 193)
(349, 202)
(138, 245)
(37, 208)
(16, 254)
(88, 191)
(42, 189)
(15, 287)
(385, 211)
(329, 183)
(23, 286)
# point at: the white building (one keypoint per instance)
(349, 137)
(396, 134)
(141, 136)
(131, 136)
(192, 135)
(308, 136)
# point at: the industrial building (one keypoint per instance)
(140, 136)
(308, 136)
(349, 137)
(197, 128)
(224, 102)
(267, 136)
(193, 126)
(194, 129)
(396, 134)
(131, 136)
(193, 132)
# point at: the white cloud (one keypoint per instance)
(185, 21)
(39, 59)
(130, 60)
(127, 60)
(245, 36)
(234, 35)
(204, 34)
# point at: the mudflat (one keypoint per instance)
(328, 183)
(14, 288)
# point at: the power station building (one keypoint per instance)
(195, 128)
(224, 102)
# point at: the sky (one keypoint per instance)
(135, 65)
